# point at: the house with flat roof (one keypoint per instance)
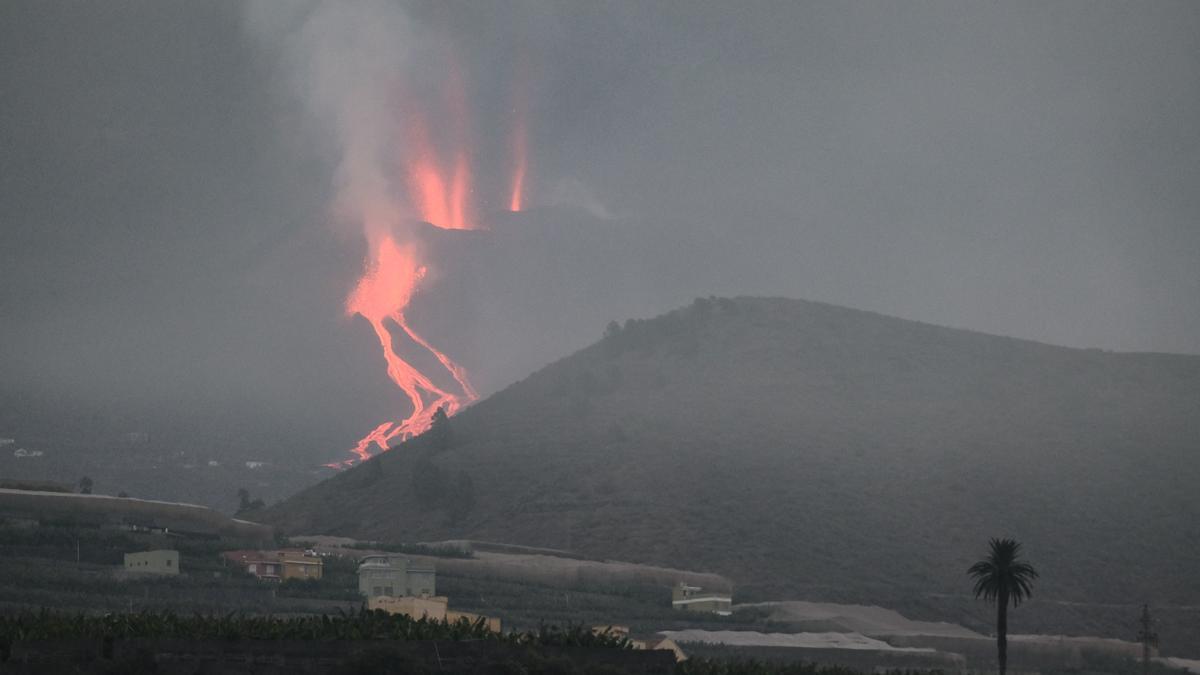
(395, 576)
(696, 599)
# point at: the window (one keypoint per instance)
(168, 562)
(387, 591)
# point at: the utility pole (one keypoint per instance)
(1147, 637)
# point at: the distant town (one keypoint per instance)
(98, 553)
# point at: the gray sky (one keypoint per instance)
(166, 186)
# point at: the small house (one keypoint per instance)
(696, 599)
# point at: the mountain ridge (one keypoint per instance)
(796, 446)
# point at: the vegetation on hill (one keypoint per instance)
(360, 625)
(545, 650)
(806, 450)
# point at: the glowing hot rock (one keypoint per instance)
(435, 171)
(391, 276)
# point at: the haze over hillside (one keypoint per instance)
(503, 301)
(807, 450)
(174, 259)
(359, 275)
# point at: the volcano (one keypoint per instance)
(807, 450)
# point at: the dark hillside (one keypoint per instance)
(806, 450)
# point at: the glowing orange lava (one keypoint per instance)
(447, 209)
(518, 187)
(440, 193)
(382, 294)
(520, 139)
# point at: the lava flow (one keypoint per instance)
(520, 139)
(448, 209)
(518, 183)
(381, 296)
(439, 193)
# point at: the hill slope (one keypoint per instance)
(806, 450)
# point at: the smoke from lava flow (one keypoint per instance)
(393, 271)
(519, 137)
(519, 161)
(441, 203)
(381, 296)
(391, 93)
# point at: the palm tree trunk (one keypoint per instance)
(1002, 630)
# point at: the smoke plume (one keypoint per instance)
(355, 68)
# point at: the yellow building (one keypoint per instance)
(432, 608)
(300, 565)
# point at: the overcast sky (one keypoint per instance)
(1029, 169)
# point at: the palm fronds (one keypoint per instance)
(1002, 574)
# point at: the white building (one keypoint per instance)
(696, 599)
(394, 577)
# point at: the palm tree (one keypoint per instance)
(1002, 577)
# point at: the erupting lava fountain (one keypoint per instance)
(393, 270)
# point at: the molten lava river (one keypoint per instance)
(439, 193)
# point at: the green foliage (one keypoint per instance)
(364, 625)
(441, 435)
(247, 505)
(572, 635)
(1002, 575)
(354, 625)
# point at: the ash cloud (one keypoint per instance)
(343, 61)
